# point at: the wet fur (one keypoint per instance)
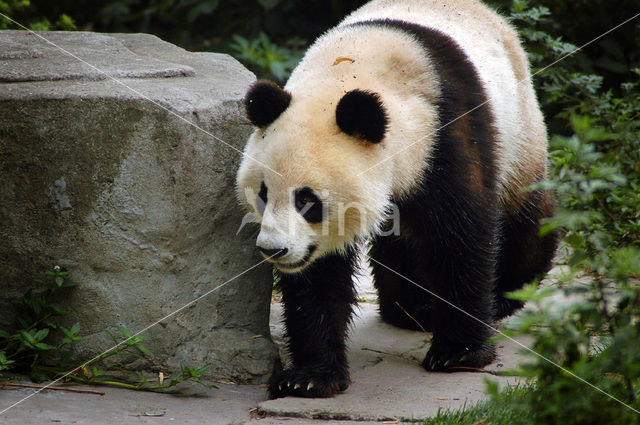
(318, 307)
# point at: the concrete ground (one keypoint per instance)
(388, 385)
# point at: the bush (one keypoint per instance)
(20, 11)
(586, 331)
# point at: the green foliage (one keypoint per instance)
(30, 344)
(90, 373)
(267, 59)
(505, 408)
(585, 330)
(609, 58)
(9, 8)
(596, 171)
(612, 56)
(598, 192)
(39, 339)
(17, 9)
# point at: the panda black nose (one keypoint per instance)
(273, 253)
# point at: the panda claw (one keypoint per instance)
(311, 385)
(296, 386)
(280, 387)
(447, 363)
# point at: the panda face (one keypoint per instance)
(301, 177)
(291, 226)
(307, 205)
(303, 221)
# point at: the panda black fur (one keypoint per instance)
(425, 104)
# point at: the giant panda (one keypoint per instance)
(416, 116)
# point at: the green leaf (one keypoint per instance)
(71, 335)
(124, 331)
(49, 324)
(36, 305)
(66, 23)
(44, 347)
(491, 387)
(66, 331)
(204, 384)
(547, 228)
(144, 350)
(530, 292)
(26, 336)
(3, 359)
(95, 372)
(41, 334)
(278, 69)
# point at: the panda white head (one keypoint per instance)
(307, 171)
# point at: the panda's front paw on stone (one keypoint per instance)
(458, 357)
(307, 382)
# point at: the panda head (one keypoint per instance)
(307, 173)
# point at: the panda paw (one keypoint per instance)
(307, 382)
(458, 357)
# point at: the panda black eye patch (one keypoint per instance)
(308, 204)
(261, 201)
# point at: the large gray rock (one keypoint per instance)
(130, 185)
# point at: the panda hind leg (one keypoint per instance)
(460, 256)
(402, 304)
(524, 255)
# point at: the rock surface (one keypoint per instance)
(123, 172)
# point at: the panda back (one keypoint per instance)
(492, 46)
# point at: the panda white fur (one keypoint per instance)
(424, 107)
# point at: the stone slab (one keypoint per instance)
(388, 381)
(25, 56)
(231, 404)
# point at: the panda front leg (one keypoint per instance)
(461, 274)
(318, 305)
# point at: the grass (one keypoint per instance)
(505, 408)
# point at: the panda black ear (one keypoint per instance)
(361, 114)
(264, 102)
